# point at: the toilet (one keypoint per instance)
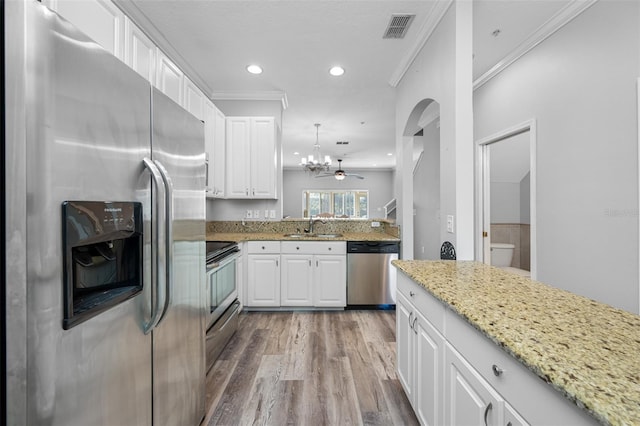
(501, 257)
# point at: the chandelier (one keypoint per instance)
(314, 163)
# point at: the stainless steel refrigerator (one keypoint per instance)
(105, 236)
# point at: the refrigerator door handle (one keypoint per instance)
(158, 260)
(168, 237)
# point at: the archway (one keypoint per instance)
(421, 182)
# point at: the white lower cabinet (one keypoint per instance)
(454, 375)
(330, 281)
(471, 400)
(309, 274)
(296, 286)
(420, 355)
(263, 273)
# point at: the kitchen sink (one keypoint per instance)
(312, 235)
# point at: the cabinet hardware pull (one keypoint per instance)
(411, 294)
(486, 413)
(509, 424)
(309, 262)
(277, 263)
(497, 371)
(415, 320)
(410, 316)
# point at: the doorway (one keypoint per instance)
(506, 194)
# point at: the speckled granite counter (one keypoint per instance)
(587, 350)
(271, 236)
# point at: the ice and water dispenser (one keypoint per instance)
(102, 246)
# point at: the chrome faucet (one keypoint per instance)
(311, 222)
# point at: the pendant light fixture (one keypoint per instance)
(316, 162)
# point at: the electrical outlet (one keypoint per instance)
(256, 214)
(272, 214)
(249, 214)
(375, 224)
(450, 224)
(266, 214)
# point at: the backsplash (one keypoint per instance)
(291, 226)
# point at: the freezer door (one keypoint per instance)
(178, 341)
(87, 131)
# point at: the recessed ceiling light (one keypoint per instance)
(336, 71)
(389, 153)
(254, 69)
(296, 153)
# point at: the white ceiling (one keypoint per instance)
(297, 41)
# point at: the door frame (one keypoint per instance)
(483, 210)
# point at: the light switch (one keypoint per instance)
(249, 214)
(272, 214)
(450, 224)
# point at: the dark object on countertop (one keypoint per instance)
(447, 251)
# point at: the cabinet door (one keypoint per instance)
(263, 158)
(139, 51)
(470, 399)
(263, 280)
(512, 418)
(404, 344)
(193, 99)
(238, 160)
(169, 77)
(99, 19)
(219, 150)
(296, 285)
(330, 281)
(429, 369)
(209, 134)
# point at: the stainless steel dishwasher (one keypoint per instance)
(371, 281)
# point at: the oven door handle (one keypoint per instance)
(158, 263)
(168, 238)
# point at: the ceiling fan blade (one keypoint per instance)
(320, 176)
(354, 175)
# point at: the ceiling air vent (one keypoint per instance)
(342, 143)
(398, 26)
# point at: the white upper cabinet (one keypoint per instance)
(169, 77)
(214, 141)
(139, 51)
(99, 19)
(193, 99)
(251, 157)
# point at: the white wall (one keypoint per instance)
(442, 71)
(505, 202)
(580, 86)
(379, 183)
(219, 209)
(426, 195)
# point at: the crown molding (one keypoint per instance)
(133, 12)
(252, 96)
(434, 17)
(557, 21)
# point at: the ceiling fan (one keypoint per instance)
(341, 174)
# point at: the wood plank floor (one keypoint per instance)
(309, 368)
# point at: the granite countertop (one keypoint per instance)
(275, 236)
(587, 350)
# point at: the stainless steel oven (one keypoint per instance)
(222, 296)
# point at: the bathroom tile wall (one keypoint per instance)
(517, 234)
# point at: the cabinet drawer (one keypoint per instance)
(535, 400)
(314, 247)
(430, 307)
(256, 247)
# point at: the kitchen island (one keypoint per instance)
(586, 350)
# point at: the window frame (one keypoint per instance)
(357, 198)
